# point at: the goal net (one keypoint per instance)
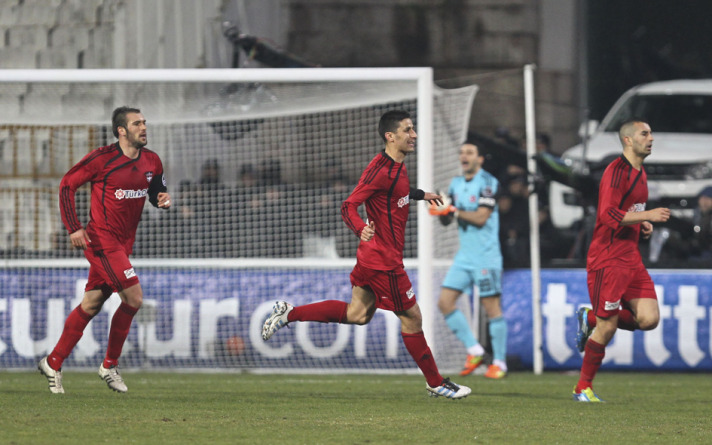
(258, 162)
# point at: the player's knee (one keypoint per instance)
(359, 316)
(648, 323)
(135, 300)
(92, 309)
(362, 319)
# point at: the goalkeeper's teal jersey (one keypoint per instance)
(479, 246)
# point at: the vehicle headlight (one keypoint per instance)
(700, 171)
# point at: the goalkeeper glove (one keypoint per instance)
(443, 209)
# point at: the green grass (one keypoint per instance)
(352, 409)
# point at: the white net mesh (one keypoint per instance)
(257, 172)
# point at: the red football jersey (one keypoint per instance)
(384, 187)
(119, 187)
(622, 189)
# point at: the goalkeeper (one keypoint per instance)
(472, 202)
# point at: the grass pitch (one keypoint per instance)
(352, 409)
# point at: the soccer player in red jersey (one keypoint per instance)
(122, 175)
(621, 290)
(379, 279)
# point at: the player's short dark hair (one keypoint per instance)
(118, 118)
(625, 126)
(390, 121)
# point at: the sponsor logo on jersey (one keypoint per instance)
(149, 176)
(130, 273)
(612, 305)
(130, 194)
(410, 293)
(404, 201)
(637, 207)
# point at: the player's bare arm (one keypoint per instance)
(80, 239)
(477, 218)
(660, 214)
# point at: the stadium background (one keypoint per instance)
(580, 71)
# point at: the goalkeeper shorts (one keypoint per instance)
(488, 281)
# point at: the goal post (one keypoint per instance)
(289, 145)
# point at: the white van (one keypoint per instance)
(680, 114)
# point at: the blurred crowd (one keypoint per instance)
(262, 216)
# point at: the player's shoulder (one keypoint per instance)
(487, 177)
(381, 159)
(618, 169)
(105, 150)
(150, 155)
(379, 165)
(457, 180)
(148, 152)
(99, 154)
(618, 164)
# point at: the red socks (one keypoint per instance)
(592, 358)
(120, 325)
(74, 327)
(419, 350)
(334, 311)
(329, 311)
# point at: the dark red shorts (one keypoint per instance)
(393, 289)
(110, 269)
(610, 287)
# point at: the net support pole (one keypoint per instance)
(530, 126)
(424, 129)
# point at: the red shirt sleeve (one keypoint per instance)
(610, 196)
(83, 172)
(349, 208)
(367, 186)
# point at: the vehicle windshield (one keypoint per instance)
(678, 113)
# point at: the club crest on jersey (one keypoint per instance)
(637, 207)
(149, 176)
(404, 201)
(130, 194)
